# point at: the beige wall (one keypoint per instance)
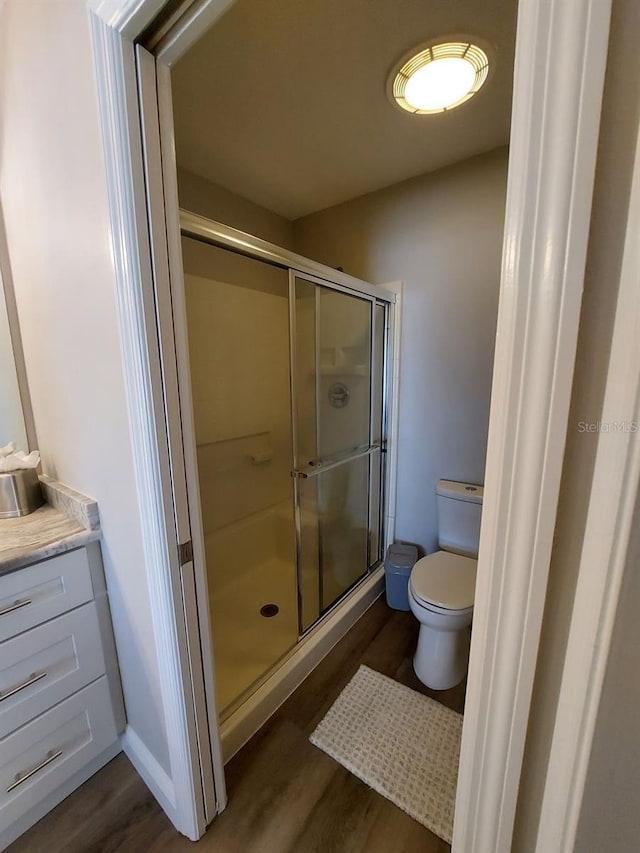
(54, 200)
(611, 196)
(441, 234)
(201, 196)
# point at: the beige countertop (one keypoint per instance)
(68, 520)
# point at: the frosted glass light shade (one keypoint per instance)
(440, 77)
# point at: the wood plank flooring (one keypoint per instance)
(285, 795)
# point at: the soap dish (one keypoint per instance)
(20, 492)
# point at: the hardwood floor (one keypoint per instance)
(285, 796)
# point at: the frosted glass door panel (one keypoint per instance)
(343, 497)
(333, 372)
(238, 329)
(335, 518)
(331, 345)
(344, 329)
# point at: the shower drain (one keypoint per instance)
(269, 610)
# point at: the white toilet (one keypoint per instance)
(442, 586)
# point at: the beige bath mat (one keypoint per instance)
(403, 745)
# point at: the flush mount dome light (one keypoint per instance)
(439, 77)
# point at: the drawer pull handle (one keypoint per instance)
(27, 774)
(35, 676)
(21, 602)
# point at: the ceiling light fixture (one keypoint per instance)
(439, 77)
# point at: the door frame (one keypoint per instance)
(170, 316)
(561, 52)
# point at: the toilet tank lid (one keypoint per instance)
(460, 491)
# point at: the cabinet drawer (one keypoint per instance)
(43, 666)
(40, 756)
(40, 592)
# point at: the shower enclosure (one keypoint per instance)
(288, 377)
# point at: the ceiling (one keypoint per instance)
(284, 101)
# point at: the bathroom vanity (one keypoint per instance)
(61, 708)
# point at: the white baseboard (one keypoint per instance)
(236, 730)
(152, 773)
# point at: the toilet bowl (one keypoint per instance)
(441, 591)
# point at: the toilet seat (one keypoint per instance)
(444, 581)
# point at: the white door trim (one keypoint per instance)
(162, 200)
(602, 563)
(180, 791)
(560, 60)
(559, 75)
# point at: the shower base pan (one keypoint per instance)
(245, 720)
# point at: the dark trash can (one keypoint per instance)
(398, 563)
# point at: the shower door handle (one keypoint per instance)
(314, 468)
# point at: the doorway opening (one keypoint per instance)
(549, 159)
(296, 509)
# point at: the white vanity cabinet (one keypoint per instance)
(61, 709)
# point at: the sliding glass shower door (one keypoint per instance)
(337, 389)
(287, 382)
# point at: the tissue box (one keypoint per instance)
(20, 492)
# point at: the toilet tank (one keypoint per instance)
(459, 513)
